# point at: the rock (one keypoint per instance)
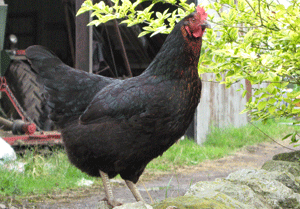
(289, 156)
(289, 181)
(282, 166)
(231, 194)
(275, 188)
(185, 202)
(276, 185)
(103, 205)
(135, 205)
(244, 189)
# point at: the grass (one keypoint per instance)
(43, 175)
(219, 143)
(46, 175)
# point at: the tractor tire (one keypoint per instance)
(29, 93)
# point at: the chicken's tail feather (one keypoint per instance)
(68, 91)
(39, 55)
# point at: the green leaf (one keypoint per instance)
(144, 33)
(231, 3)
(83, 9)
(159, 30)
(272, 100)
(159, 15)
(280, 7)
(264, 96)
(262, 105)
(244, 93)
(257, 92)
(94, 22)
(272, 109)
(244, 111)
(219, 77)
(296, 101)
(287, 136)
(293, 139)
(296, 111)
(270, 88)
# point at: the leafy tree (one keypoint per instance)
(128, 12)
(257, 40)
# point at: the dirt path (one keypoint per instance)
(177, 183)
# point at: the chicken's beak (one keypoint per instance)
(205, 25)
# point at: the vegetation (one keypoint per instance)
(219, 143)
(53, 174)
(42, 175)
(128, 12)
(257, 40)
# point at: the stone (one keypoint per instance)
(288, 156)
(103, 205)
(231, 194)
(273, 187)
(187, 201)
(282, 166)
(135, 205)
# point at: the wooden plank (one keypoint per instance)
(83, 40)
(219, 107)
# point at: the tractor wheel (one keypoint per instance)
(29, 93)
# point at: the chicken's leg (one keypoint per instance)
(108, 191)
(134, 191)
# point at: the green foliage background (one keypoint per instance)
(257, 40)
(127, 11)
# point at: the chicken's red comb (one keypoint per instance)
(201, 12)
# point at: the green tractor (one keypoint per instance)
(21, 94)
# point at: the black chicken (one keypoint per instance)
(112, 126)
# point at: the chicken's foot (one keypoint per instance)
(108, 190)
(134, 191)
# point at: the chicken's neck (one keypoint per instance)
(178, 58)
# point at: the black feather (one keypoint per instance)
(68, 91)
(123, 124)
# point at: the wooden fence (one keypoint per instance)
(219, 107)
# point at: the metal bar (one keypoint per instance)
(124, 54)
(111, 51)
(4, 88)
(68, 22)
(6, 123)
(82, 40)
(34, 139)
